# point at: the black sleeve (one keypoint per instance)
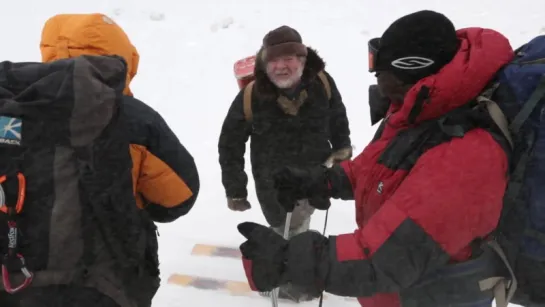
(168, 179)
(231, 147)
(407, 254)
(340, 130)
(166, 146)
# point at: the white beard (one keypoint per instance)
(290, 82)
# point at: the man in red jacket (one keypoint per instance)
(421, 209)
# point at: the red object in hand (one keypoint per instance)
(244, 71)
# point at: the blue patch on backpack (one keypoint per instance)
(11, 130)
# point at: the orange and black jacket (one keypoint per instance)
(165, 177)
(164, 173)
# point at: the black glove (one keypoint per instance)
(263, 256)
(294, 183)
(270, 261)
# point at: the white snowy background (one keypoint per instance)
(187, 51)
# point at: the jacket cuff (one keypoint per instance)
(237, 194)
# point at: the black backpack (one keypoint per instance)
(69, 215)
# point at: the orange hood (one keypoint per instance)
(71, 35)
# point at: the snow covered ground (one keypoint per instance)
(187, 52)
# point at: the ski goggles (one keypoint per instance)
(373, 46)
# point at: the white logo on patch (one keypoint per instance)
(412, 62)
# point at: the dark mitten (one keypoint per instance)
(307, 263)
(320, 202)
(263, 256)
(295, 183)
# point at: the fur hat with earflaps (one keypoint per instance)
(282, 41)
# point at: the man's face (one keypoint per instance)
(391, 87)
(286, 71)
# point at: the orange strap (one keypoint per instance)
(247, 101)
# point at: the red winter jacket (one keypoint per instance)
(411, 223)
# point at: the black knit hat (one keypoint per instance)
(282, 41)
(417, 45)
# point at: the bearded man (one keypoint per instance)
(298, 118)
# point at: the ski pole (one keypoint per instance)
(274, 294)
(321, 302)
(328, 163)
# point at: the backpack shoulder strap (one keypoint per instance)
(247, 101)
(498, 117)
(327, 86)
(495, 112)
(529, 106)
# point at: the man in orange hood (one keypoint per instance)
(165, 176)
(165, 184)
(71, 35)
